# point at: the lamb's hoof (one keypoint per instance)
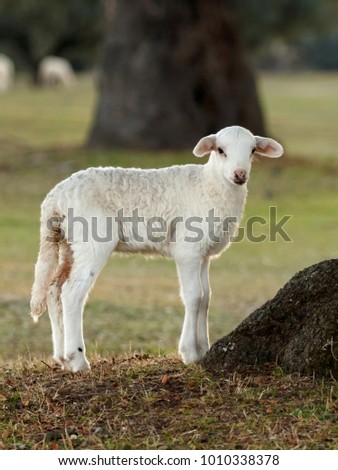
(203, 349)
(75, 363)
(59, 360)
(190, 357)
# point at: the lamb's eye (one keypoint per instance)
(253, 150)
(220, 150)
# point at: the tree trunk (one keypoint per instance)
(172, 72)
(297, 329)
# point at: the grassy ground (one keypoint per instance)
(140, 402)
(41, 132)
(302, 109)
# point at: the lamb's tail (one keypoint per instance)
(44, 269)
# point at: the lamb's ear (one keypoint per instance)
(268, 147)
(205, 145)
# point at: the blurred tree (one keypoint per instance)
(172, 72)
(32, 29)
(318, 45)
(266, 20)
(288, 34)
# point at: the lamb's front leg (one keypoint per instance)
(202, 325)
(191, 293)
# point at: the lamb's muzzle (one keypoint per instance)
(240, 176)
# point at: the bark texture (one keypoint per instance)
(172, 72)
(297, 329)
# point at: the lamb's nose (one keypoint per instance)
(240, 176)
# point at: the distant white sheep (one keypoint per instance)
(7, 73)
(55, 71)
(187, 212)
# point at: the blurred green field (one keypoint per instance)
(135, 304)
(302, 109)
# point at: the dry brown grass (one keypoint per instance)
(144, 402)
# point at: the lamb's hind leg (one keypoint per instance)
(54, 300)
(87, 264)
(56, 320)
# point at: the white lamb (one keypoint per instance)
(187, 212)
(55, 71)
(7, 72)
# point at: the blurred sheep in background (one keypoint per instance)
(56, 71)
(7, 73)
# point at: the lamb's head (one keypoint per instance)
(232, 150)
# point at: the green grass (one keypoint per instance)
(302, 109)
(39, 117)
